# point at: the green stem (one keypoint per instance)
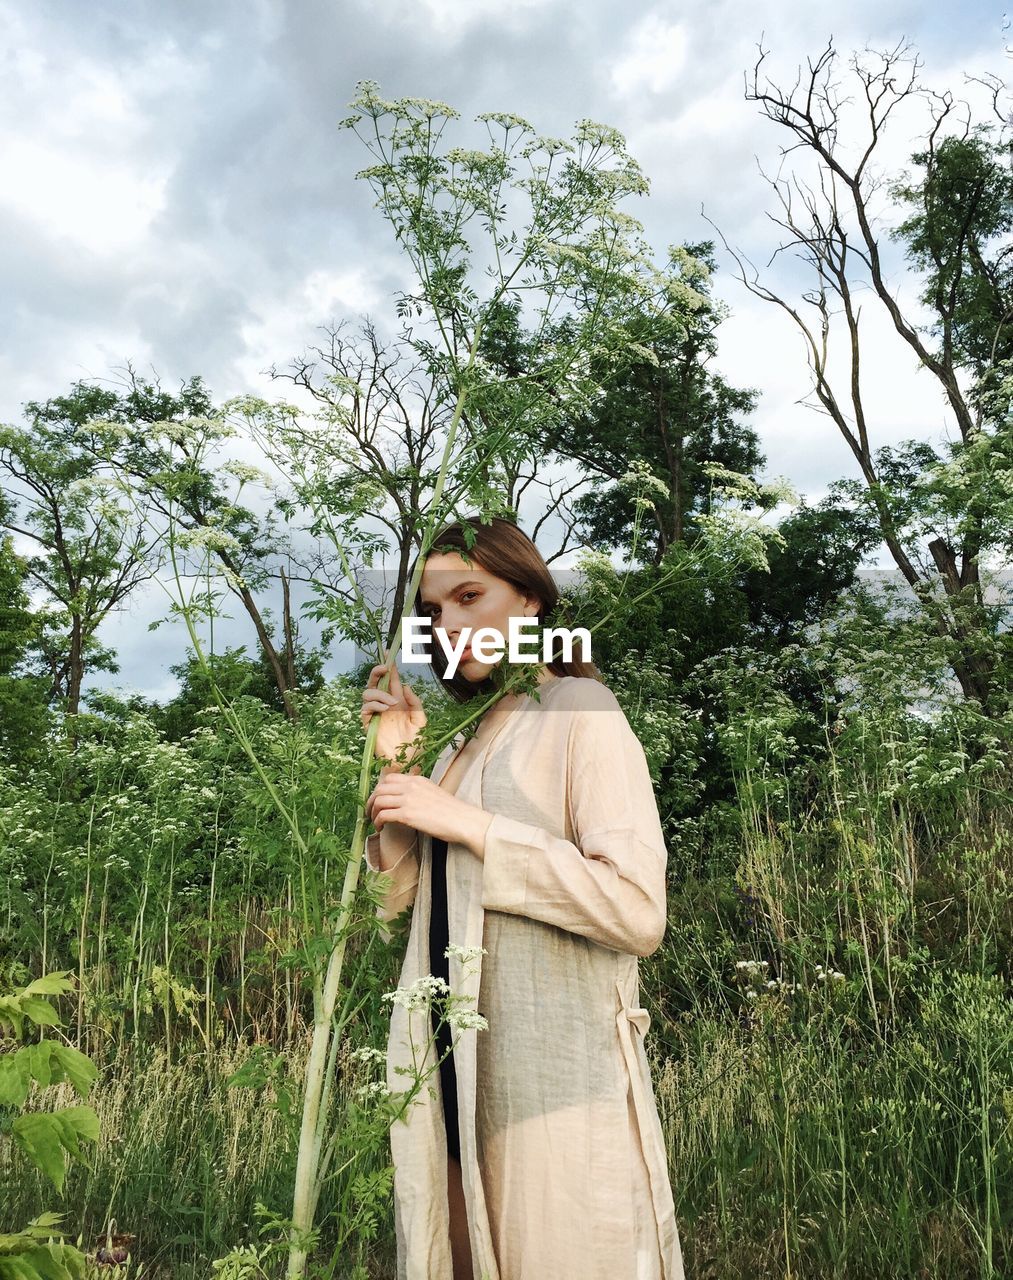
(325, 995)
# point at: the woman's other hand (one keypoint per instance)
(402, 715)
(411, 800)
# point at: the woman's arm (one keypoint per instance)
(610, 886)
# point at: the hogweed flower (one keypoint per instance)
(466, 1020)
(419, 994)
(368, 1054)
(465, 954)
(373, 1089)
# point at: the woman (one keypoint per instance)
(548, 828)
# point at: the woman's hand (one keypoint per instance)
(415, 801)
(402, 716)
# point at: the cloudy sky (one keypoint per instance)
(177, 192)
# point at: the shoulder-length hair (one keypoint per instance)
(504, 550)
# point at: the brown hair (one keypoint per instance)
(503, 549)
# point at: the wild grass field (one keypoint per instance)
(831, 1040)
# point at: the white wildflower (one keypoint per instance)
(246, 472)
(419, 994)
(368, 1054)
(207, 538)
(466, 1020)
(374, 1089)
(504, 119)
(465, 954)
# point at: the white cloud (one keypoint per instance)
(104, 207)
(655, 55)
(450, 20)
(79, 164)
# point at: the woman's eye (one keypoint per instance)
(432, 610)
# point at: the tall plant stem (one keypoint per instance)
(325, 994)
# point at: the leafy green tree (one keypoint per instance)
(23, 709)
(236, 674)
(167, 449)
(663, 406)
(88, 549)
(943, 514)
(957, 235)
(817, 561)
(660, 422)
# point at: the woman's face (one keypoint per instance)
(455, 595)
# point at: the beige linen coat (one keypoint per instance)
(563, 1159)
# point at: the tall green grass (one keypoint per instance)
(832, 1029)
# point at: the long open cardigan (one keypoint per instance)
(563, 1159)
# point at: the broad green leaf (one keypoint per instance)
(14, 1078)
(11, 1015)
(18, 1268)
(44, 1262)
(73, 1066)
(40, 1136)
(82, 1120)
(45, 1136)
(53, 984)
(40, 1062)
(40, 1228)
(41, 1012)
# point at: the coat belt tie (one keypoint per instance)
(654, 1155)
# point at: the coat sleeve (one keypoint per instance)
(610, 885)
(403, 877)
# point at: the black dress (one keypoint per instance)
(439, 966)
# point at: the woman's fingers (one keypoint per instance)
(373, 705)
(381, 797)
(380, 696)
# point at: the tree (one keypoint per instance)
(167, 448)
(664, 407)
(236, 674)
(935, 517)
(22, 695)
(384, 426)
(89, 549)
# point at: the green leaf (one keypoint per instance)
(40, 1228)
(10, 1014)
(75, 1067)
(53, 984)
(45, 1136)
(18, 1268)
(49, 1062)
(39, 1062)
(83, 1120)
(40, 1136)
(41, 1012)
(43, 1262)
(14, 1078)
